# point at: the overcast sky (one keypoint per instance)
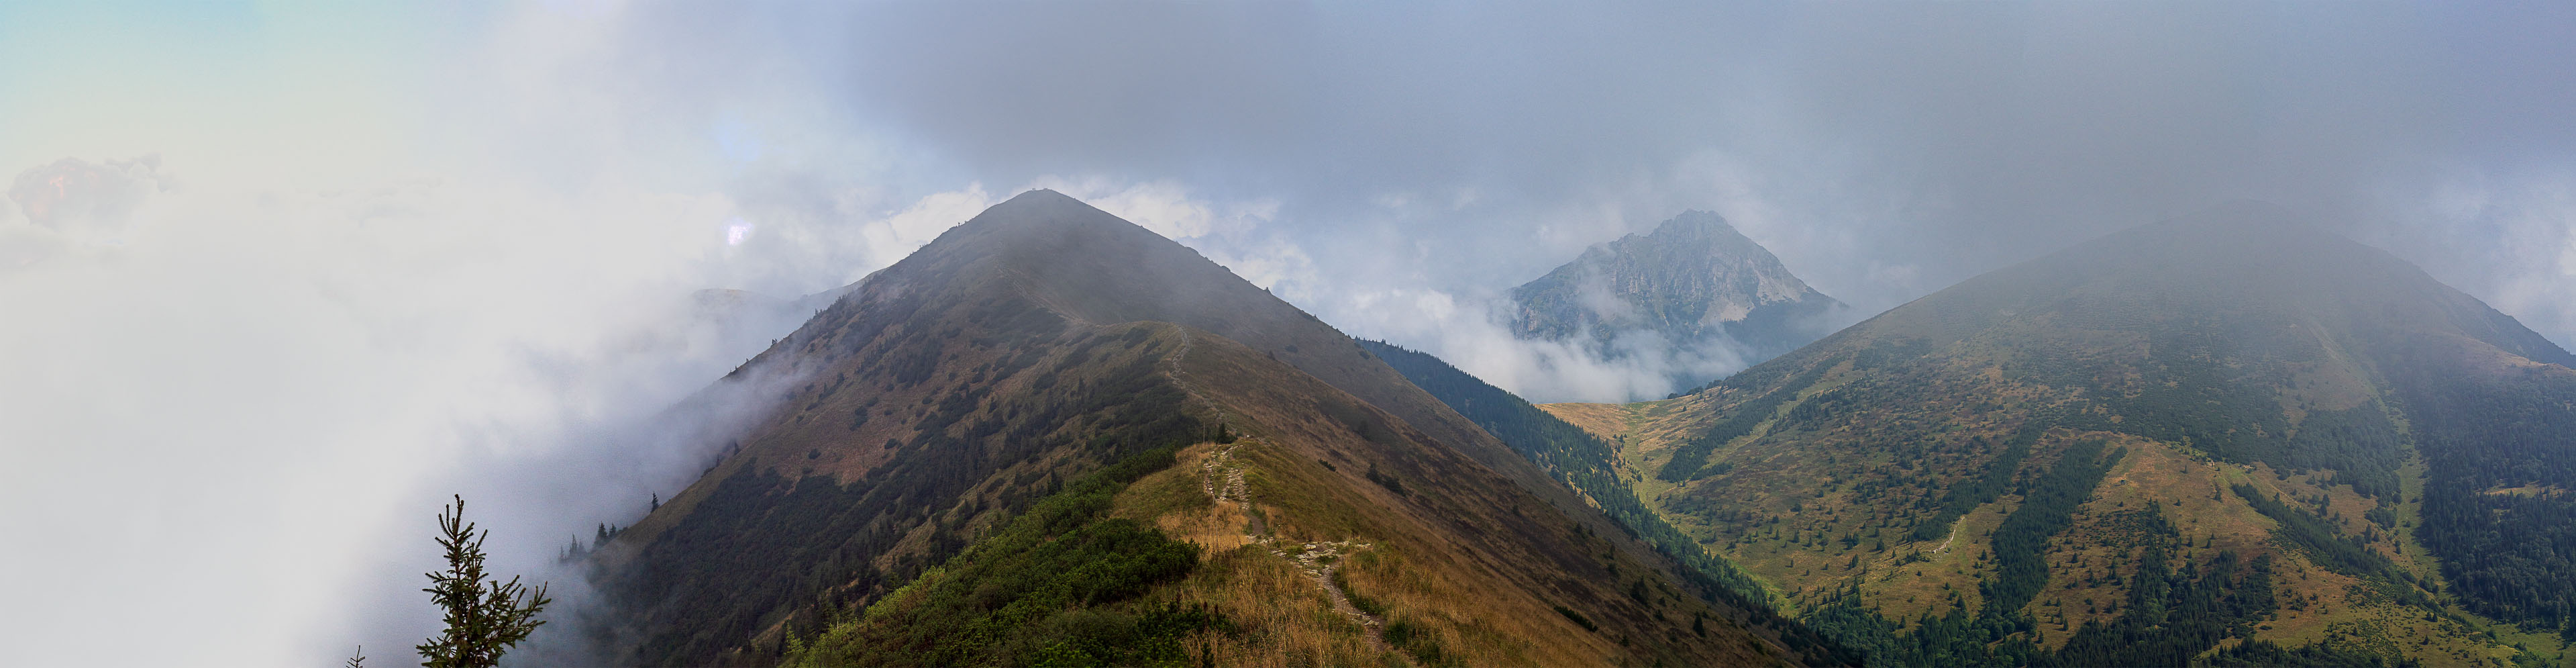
(275, 281)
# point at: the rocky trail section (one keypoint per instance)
(1222, 479)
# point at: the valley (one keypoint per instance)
(2024, 468)
(1082, 443)
(1050, 436)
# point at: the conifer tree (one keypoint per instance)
(485, 617)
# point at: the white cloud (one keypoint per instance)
(1271, 262)
(898, 235)
(85, 199)
(2508, 238)
(22, 245)
(243, 399)
(1163, 206)
(1469, 333)
(411, 242)
(225, 412)
(925, 219)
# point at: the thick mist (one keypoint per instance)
(1883, 151)
(274, 283)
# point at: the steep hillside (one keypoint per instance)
(1591, 467)
(943, 462)
(2229, 437)
(1693, 293)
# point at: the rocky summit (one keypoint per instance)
(1694, 296)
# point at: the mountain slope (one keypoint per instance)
(944, 452)
(2225, 437)
(1588, 465)
(1694, 293)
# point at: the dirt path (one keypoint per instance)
(1172, 369)
(1224, 482)
(1222, 479)
(1320, 561)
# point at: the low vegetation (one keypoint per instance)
(2317, 478)
(1586, 463)
(1054, 586)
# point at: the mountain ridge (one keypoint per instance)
(2233, 405)
(948, 398)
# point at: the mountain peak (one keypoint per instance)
(2242, 256)
(1040, 199)
(1696, 225)
(2255, 210)
(1708, 292)
(955, 414)
(2243, 221)
(1044, 208)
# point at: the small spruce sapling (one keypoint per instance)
(485, 617)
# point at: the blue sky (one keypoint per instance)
(277, 276)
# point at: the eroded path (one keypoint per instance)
(1172, 369)
(1320, 561)
(1222, 478)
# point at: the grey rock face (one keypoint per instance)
(1698, 287)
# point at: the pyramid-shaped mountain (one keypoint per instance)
(1694, 294)
(2226, 439)
(1052, 436)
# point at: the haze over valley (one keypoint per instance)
(2011, 334)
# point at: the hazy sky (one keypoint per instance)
(275, 280)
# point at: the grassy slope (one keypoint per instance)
(891, 511)
(1796, 548)
(1472, 568)
(999, 376)
(1591, 467)
(1463, 550)
(1973, 366)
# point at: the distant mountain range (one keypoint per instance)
(1051, 436)
(1694, 296)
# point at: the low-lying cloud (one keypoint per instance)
(389, 254)
(1473, 334)
(78, 197)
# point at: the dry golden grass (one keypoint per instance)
(1949, 576)
(1463, 556)
(1607, 421)
(1286, 615)
(1283, 619)
(1420, 571)
(1470, 556)
(1282, 616)
(2092, 560)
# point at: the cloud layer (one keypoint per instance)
(276, 283)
